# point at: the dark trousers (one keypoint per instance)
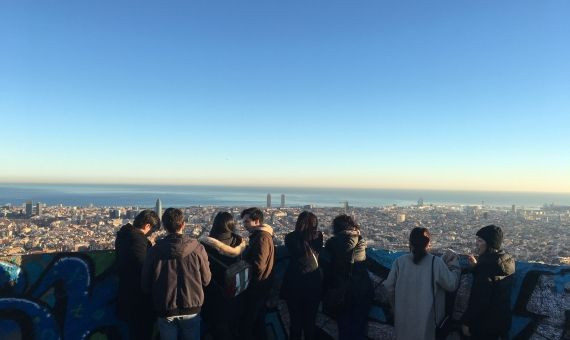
(141, 328)
(302, 316)
(353, 321)
(253, 319)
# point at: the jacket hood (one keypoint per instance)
(223, 248)
(498, 264)
(176, 246)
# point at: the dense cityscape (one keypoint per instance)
(536, 235)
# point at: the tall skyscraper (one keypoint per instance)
(420, 202)
(158, 208)
(38, 208)
(346, 207)
(29, 209)
(514, 209)
(269, 200)
(282, 201)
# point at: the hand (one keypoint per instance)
(152, 238)
(472, 260)
(465, 330)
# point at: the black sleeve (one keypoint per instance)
(139, 248)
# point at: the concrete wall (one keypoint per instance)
(72, 296)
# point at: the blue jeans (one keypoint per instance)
(184, 327)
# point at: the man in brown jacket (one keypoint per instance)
(261, 255)
(174, 272)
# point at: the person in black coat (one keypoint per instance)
(222, 245)
(302, 284)
(345, 256)
(488, 315)
(131, 245)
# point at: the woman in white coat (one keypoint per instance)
(412, 295)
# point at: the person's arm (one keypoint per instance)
(138, 250)
(147, 271)
(447, 276)
(390, 283)
(205, 272)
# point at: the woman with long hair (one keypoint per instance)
(416, 287)
(488, 315)
(223, 247)
(346, 277)
(303, 278)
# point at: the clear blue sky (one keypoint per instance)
(394, 94)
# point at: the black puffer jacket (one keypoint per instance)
(130, 249)
(489, 309)
(338, 256)
(303, 277)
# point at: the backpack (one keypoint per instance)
(236, 277)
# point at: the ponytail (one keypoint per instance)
(419, 240)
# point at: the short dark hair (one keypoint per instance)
(254, 214)
(173, 220)
(344, 222)
(223, 223)
(146, 217)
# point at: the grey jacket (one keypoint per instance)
(174, 272)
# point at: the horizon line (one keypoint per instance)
(169, 184)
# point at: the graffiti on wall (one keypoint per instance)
(540, 302)
(72, 296)
(59, 296)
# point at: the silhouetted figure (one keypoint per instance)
(302, 284)
(488, 315)
(346, 275)
(416, 287)
(220, 312)
(131, 245)
(174, 272)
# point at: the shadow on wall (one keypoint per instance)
(72, 296)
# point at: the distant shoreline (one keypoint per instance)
(204, 195)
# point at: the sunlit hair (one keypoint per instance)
(255, 214)
(173, 220)
(306, 225)
(344, 223)
(223, 223)
(419, 240)
(146, 217)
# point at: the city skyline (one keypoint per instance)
(407, 95)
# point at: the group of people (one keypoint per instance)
(418, 282)
(181, 282)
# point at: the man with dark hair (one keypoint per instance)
(174, 272)
(131, 245)
(261, 255)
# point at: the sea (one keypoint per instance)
(195, 195)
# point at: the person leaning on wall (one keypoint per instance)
(131, 245)
(416, 287)
(488, 315)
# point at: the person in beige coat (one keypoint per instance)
(409, 286)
